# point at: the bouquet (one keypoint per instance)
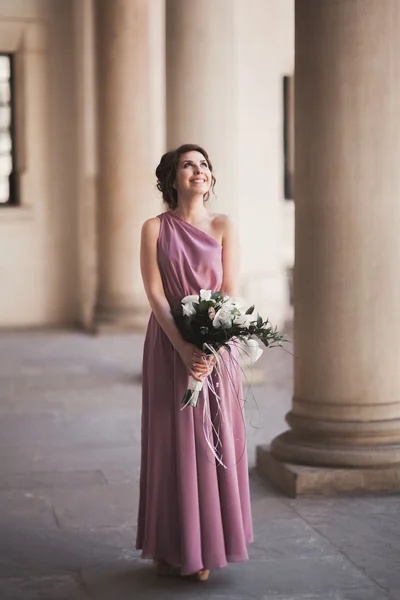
(212, 320)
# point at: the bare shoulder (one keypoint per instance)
(151, 228)
(223, 224)
(221, 220)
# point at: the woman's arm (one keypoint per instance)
(230, 257)
(158, 302)
(153, 283)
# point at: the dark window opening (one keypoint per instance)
(8, 196)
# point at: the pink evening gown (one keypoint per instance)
(193, 512)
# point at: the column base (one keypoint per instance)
(305, 449)
(299, 480)
(120, 320)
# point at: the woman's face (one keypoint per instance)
(193, 175)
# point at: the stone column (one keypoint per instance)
(129, 59)
(201, 94)
(345, 418)
(86, 159)
(225, 60)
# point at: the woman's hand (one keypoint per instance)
(197, 363)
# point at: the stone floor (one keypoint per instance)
(69, 464)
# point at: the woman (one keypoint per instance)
(194, 513)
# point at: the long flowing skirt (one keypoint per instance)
(194, 513)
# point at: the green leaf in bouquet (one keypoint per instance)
(216, 296)
(250, 310)
(202, 307)
(259, 321)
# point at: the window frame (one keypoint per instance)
(13, 199)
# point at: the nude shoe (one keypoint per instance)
(198, 576)
(202, 575)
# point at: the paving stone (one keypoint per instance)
(52, 479)
(270, 508)
(59, 587)
(267, 502)
(124, 580)
(53, 429)
(115, 506)
(379, 559)
(306, 546)
(346, 506)
(20, 505)
(93, 458)
(366, 530)
(301, 575)
(69, 402)
(127, 474)
(70, 414)
(281, 528)
(286, 579)
(28, 548)
(370, 593)
(360, 522)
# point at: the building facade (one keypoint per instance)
(99, 91)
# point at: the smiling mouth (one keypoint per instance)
(198, 180)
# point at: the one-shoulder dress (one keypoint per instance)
(194, 508)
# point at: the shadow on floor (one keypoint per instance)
(142, 582)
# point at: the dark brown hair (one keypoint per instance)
(166, 173)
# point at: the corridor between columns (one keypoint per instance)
(69, 472)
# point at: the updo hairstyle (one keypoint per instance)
(166, 173)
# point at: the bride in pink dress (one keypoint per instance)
(194, 513)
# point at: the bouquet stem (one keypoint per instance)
(191, 397)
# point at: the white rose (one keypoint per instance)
(188, 305)
(188, 309)
(223, 318)
(190, 299)
(244, 320)
(205, 294)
